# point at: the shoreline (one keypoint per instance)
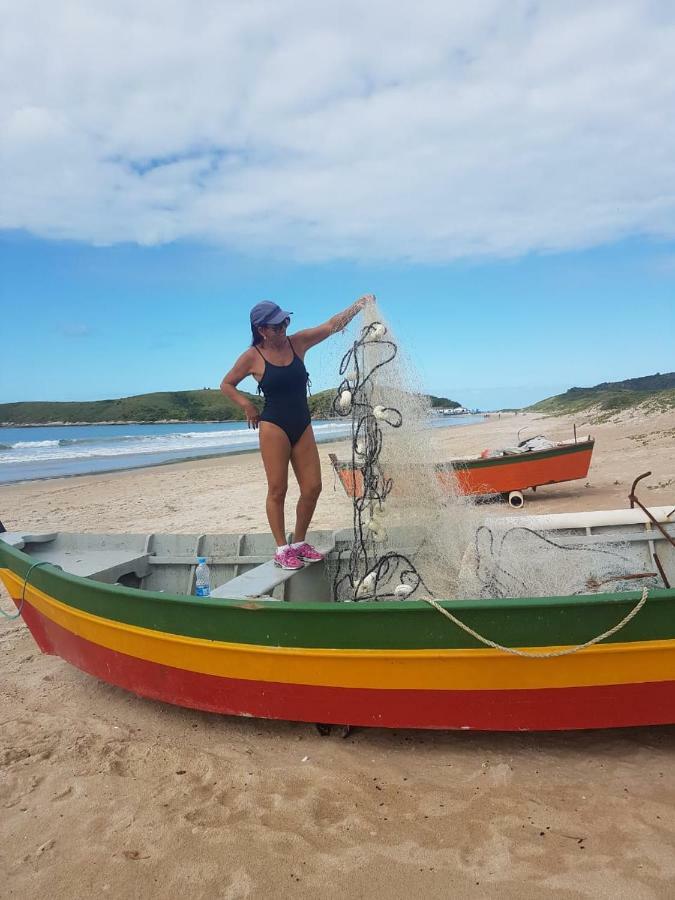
(197, 456)
(156, 465)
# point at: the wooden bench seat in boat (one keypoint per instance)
(257, 582)
(19, 539)
(101, 564)
(262, 580)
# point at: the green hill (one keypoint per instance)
(181, 406)
(654, 392)
(207, 405)
(443, 403)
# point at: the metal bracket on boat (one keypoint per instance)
(633, 498)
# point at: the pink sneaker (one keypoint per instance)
(307, 553)
(287, 558)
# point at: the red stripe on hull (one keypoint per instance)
(552, 709)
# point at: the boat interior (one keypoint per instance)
(241, 564)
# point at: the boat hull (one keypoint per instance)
(497, 475)
(331, 679)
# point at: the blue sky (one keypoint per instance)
(499, 173)
(89, 323)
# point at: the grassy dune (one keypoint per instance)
(653, 393)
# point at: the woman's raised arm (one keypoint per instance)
(309, 337)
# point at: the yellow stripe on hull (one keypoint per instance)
(480, 669)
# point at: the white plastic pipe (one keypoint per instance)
(590, 519)
(516, 499)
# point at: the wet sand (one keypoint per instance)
(103, 793)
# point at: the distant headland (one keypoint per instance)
(165, 407)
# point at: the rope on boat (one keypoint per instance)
(16, 615)
(568, 651)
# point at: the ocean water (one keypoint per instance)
(39, 452)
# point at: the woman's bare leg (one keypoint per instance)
(307, 468)
(275, 449)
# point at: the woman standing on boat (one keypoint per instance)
(276, 361)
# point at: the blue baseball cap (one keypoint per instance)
(268, 313)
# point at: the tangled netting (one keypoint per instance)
(370, 573)
(521, 561)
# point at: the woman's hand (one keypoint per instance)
(252, 415)
(312, 336)
(363, 301)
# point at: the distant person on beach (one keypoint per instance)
(276, 361)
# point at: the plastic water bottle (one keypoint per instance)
(202, 578)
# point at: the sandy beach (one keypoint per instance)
(103, 793)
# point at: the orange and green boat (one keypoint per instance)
(507, 474)
(274, 644)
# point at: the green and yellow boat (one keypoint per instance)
(275, 644)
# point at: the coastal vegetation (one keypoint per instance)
(652, 393)
(207, 405)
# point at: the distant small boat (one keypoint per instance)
(508, 474)
(273, 643)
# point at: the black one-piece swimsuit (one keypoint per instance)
(285, 392)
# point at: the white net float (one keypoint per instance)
(345, 400)
(367, 585)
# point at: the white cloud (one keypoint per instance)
(358, 130)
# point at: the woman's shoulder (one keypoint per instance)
(250, 353)
(247, 360)
(297, 343)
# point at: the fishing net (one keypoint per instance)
(415, 535)
(522, 560)
(410, 529)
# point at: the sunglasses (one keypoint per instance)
(280, 326)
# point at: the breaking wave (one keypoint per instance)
(64, 449)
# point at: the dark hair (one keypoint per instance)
(257, 337)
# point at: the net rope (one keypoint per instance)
(370, 575)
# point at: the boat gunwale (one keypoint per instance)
(260, 604)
